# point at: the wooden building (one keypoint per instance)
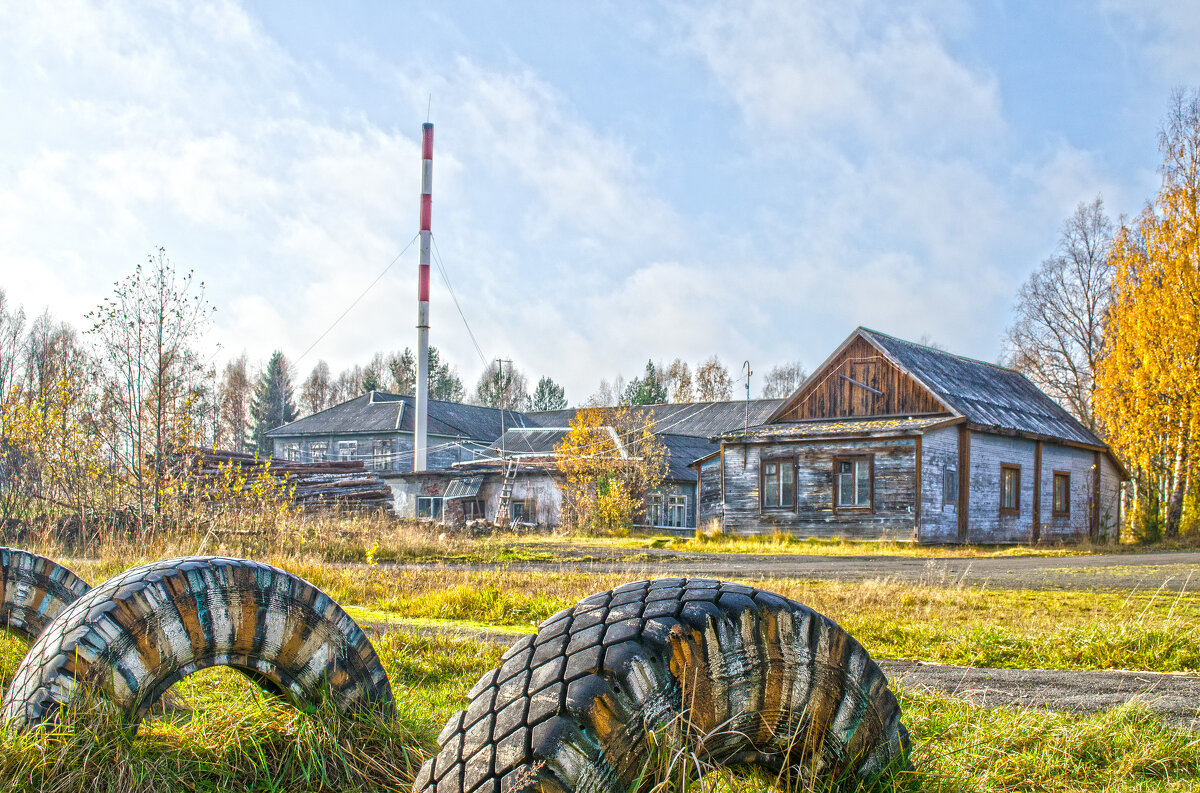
(891, 439)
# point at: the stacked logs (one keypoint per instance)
(343, 484)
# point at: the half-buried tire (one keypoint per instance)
(138, 633)
(33, 590)
(718, 672)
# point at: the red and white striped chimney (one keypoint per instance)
(421, 418)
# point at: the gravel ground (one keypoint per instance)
(1174, 571)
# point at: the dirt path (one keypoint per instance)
(1175, 696)
(1174, 571)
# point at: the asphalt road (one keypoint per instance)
(1173, 571)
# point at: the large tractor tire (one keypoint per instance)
(33, 590)
(608, 692)
(136, 634)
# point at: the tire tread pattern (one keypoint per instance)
(138, 633)
(33, 590)
(733, 673)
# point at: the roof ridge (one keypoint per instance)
(937, 350)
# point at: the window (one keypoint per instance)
(949, 485)
(853, 482)
(319, 452)
(677, 511)
(347, 449)
(1062, 493)
(473, 509)
(778, 484)
(654, 509)
(381, 455)
(521, 512)
(1010, 489)
(429, 507)
(291, 451)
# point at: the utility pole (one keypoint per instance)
(501, 394)
(746, 366)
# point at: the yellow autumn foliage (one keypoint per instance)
(1148, 384)
(610, 460)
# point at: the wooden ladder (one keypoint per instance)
(506, 489)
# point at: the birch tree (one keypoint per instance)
(1057, 333)
(143, 330)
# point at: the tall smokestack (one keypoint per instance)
(421, 419)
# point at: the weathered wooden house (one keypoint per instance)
(891, 439)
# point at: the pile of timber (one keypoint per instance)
(345, 484)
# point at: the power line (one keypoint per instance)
(446, 280)
(350, 308)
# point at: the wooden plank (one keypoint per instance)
(1094, 528)
(964, 480)
(920, 497)
(1036, 534)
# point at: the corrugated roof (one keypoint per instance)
(698, 419)
(841, 427)
(467, 487)
(986, 394)
(379, 411)
(685, 450)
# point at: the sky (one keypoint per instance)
(613, 182)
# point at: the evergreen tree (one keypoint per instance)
(444, 382)
(273, 405)
(548, 395)
(648, 390)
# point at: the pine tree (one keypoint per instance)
(273, 405)
(548, 395)
(647, 390)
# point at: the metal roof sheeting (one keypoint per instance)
(380, 412)
(463, 488)
(984, 393)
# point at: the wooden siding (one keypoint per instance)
(813, 514)
(985, 523)
(1078, 463)
(939, 455)
(1110, 499)
(710, 508)
(830, 393)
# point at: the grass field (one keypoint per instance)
(222, 734)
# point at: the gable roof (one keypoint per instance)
(381, 412)
(985, 394)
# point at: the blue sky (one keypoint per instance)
(612, 182)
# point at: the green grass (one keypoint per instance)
(223, 735)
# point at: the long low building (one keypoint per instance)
(468, 455)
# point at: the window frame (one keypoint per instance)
(677, 501)
(869, 458)
(474, 509)
(342, 446)
(1014, 468)
(291, 451)
(381, 455)
(436, 507)
(778, 462)
(318, 451)
(655, 514)
(526, 505)
(950, 486)
(1054, 510)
